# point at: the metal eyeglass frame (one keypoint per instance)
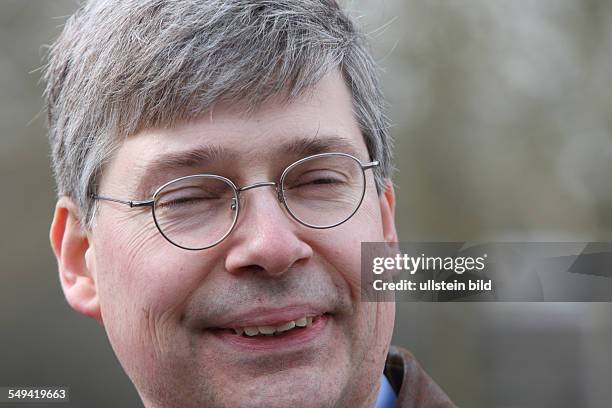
(236, 199)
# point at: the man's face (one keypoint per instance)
(170, 313)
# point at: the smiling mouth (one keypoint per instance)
(276, 330)
(274, 337)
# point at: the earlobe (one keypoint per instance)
(74, 256)
(387, 209)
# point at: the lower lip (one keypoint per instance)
(291, 339)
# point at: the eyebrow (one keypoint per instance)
(207, 155)
(308, 146)
(200, 156)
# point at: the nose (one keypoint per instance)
(265, 239)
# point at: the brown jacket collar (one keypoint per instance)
(413, 387)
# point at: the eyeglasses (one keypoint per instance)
(199, 211)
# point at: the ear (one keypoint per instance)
(74, 256)
(387, 211)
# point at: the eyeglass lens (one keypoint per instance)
(324, 191)
(199, 211)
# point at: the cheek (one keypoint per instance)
(370, 326)
(342, 245)
(143, 285)
(134, 260)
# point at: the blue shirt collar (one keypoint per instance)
(386, 396)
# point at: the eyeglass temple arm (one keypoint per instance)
(370, 165)
(131, 203)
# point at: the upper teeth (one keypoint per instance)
(270, 330)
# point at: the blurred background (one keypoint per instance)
(502, 119)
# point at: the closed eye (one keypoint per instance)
(182, 201)
(314, 178)
(322, 181)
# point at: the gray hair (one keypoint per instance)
(122, 66)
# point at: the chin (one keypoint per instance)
(297, 388)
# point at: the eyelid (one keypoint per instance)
(149, 188)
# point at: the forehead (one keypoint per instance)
(320, 120)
